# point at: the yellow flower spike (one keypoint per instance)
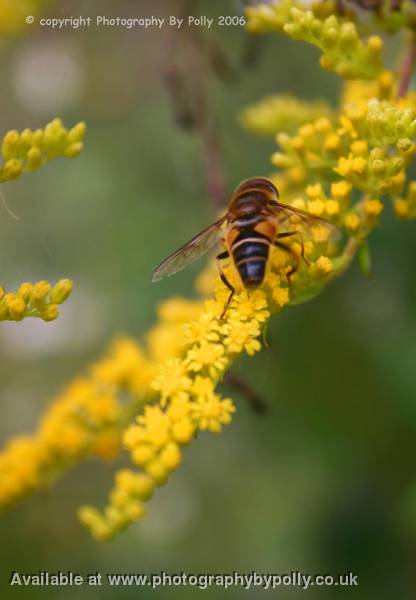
(343, 51)
(30, 150)
(335, 163)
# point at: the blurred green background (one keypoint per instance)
(326, 482)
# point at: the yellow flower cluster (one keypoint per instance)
(88, 417)
(282, 112)
(85, 419)
(183, 358)
(186, 383)
(29, 150)
(39, 299)
(155, 398)
(368, 148)
(343, 50)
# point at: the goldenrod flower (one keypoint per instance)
(154, 397)
(207, 356)
(343, 50)
(29, 150)
(242, 335)
(172, 378)
(212, 412)
(34, 300)
(250, 305)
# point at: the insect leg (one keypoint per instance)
(222, 256)
(294, 256)
(302, 245)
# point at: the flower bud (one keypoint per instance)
(61, 291)
(49, 313)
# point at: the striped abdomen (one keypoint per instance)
(250, 251)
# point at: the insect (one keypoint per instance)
(253, 222)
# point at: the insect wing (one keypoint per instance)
(191, 251)
(290, 217)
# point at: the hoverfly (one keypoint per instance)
(253, 222)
